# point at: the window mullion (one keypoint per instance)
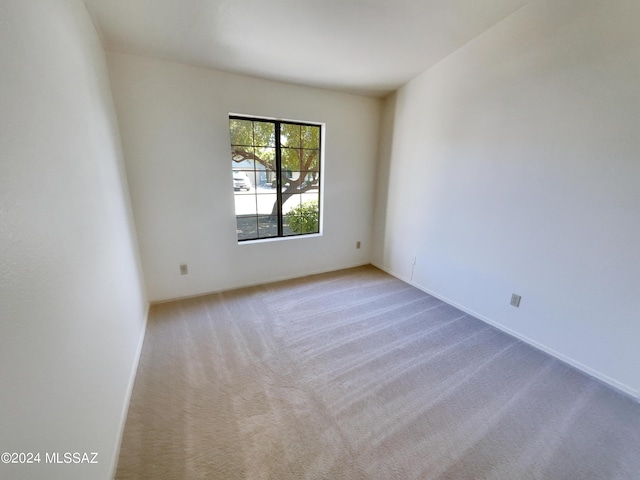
(279, 179)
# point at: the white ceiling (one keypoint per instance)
(368, 47)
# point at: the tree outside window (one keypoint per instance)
(276, 177)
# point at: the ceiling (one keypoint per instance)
(369, 47)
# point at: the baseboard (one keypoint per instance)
(129, 392)
(595, 374)
(255, 284)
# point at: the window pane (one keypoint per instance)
(266, 202)
(311, 137)
(290, 159)
(243, 164)
(311, 195)
(254, 148)
(264, 134)
(261, 180)
(241, 132)
(286, 230)
(302, 215)
(265, 158)
(311, 181)
(270, 182)
(242, 155)
(247, 227)
(290, 135)
(310, 160)
(292, 202)
(245, 204)
(267, 226)
(293, 176)
(243, 180)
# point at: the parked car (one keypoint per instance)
(241, 181)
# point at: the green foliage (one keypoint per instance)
(304, 217)
(255, 140)
(290, 159)
(250, 133)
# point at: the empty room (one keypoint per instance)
(354, 239)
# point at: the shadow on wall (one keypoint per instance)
(385, 148)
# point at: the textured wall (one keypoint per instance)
(72, 304)
(174, 121)
(523, 149)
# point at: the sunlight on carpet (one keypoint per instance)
(357, 375)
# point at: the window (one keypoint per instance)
(276, 177)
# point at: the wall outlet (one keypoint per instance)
(515, 300)
(184, 269)
(358, 244)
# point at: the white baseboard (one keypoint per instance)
(129, 392)
(599, 376)
(255, 284)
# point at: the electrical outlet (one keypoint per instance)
(184, 269)
(358, 244)
(515, 300)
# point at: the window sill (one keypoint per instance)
(279, 239)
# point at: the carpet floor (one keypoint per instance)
(357, 375)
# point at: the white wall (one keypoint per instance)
(72, 304)
(174, 122)
(513, 166)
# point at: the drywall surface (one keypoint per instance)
(514, 167)
(174, 123)
(72, 304)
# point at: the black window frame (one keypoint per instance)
(281, 234)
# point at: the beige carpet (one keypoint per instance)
(356, 375)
